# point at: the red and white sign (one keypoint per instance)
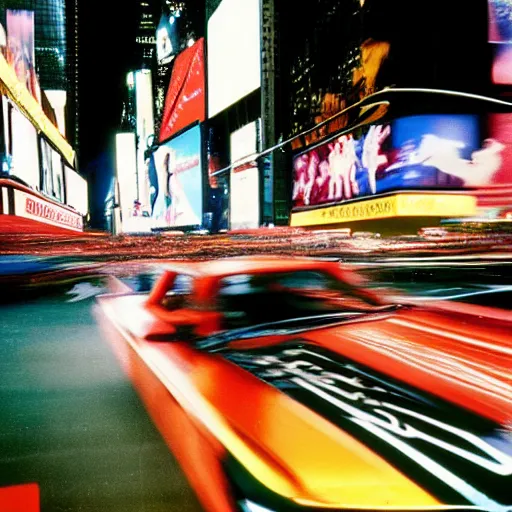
(185, 101)
(31, 207)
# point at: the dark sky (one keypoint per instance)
(107, 32)
(106, 47)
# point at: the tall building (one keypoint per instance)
(50, 43)
(73, 132)
(145, 36)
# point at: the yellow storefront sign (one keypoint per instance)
(399, 205)
(20, 95)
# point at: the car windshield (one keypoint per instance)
(178, 295)
(252, 299)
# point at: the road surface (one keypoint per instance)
(70, 420)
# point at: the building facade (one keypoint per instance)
(367, 86)
(145, 57)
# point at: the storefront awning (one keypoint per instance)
(32, 110)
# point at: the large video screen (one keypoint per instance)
(234, 53)
(427, 152)
(25, 151)
(175, 181)
(76, 191)
(126, 172)
(500, 36)
(245, 179)
(145, 122)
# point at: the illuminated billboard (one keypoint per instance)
(245, 179)
(25, 154)
(500, 36)
(426, 152)
(21, 49)
(145, 127)
(126, 172)
(31, 206)
(234, 53)
(175, 179)
(167, 39)
(76, 191)
(185, 100)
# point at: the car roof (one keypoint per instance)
(248, 264)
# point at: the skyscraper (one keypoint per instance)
(73, 74)
(145, 36)
(50, 43)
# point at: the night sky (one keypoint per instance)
(106, 47)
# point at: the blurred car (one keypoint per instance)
(284, 384)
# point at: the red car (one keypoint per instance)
(283, 384)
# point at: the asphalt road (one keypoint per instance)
(70, 420)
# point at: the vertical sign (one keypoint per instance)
(245, 178)
(126, 171)
(145, 127)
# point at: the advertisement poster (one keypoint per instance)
(145, 124)
(175, 178)
(167, 40)
(185, 101)
(25, 154)
(77, 192)
(21, 49)
(234, 53)
(427, 152)
(126, 170)
(245, 179)
(500, 36)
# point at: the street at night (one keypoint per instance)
(255, 256)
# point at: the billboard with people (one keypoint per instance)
(424, 152)
(175, 181)
(21, 49)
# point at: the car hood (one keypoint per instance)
(402, 410)
(431, 397)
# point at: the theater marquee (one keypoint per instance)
(398, 205)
